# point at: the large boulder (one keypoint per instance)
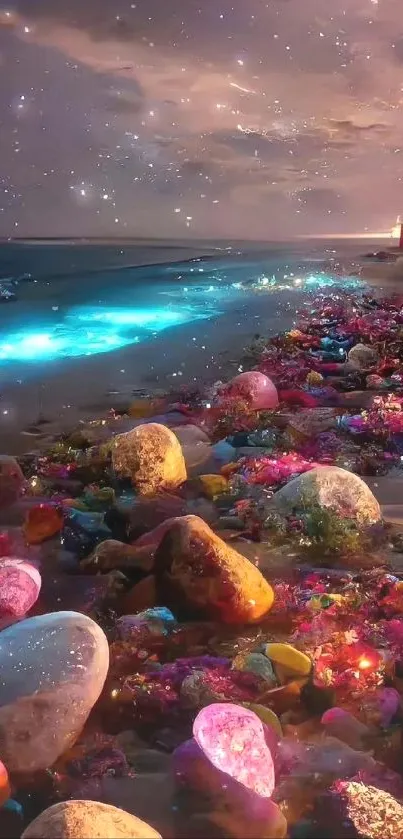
(329, 486)
(151, 456)
(53, 669)
(88, 820)
(197, 571)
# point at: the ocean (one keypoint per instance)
(88, 323)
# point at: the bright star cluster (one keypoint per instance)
(200, 119)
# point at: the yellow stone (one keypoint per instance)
(266, 715)
(289, 662)
(143, 408)
(213, 485)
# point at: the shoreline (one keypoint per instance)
(71, 390)
(200, 351)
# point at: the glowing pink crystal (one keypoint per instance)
(233, 739)
(255, 388)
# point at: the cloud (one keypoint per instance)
(238, 102)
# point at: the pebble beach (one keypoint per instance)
(201, 578)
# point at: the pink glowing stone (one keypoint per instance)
(255, 388)
(233, 739)
(20, 585)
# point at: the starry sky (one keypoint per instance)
(252, 119)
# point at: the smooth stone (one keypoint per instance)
(256, 663)
(53, 669)
(43, 521)
(196, 571)
(254, 388)
(293, 663)
(88, 820)
(20, 584)
(330, 487)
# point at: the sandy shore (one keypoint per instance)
(70, 390)
(203, 351)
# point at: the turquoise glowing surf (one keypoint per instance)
(89, 331)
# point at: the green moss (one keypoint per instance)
(318, 531)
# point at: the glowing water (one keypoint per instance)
(92, 330)
(84, 330)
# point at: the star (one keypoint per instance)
(250, 120)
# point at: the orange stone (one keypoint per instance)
(197, 572)
(42, 522)
(5, 789)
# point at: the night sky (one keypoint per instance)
(200, 118)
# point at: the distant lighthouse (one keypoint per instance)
(397, 232)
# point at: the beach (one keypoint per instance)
(201, 577)
(209, 289)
